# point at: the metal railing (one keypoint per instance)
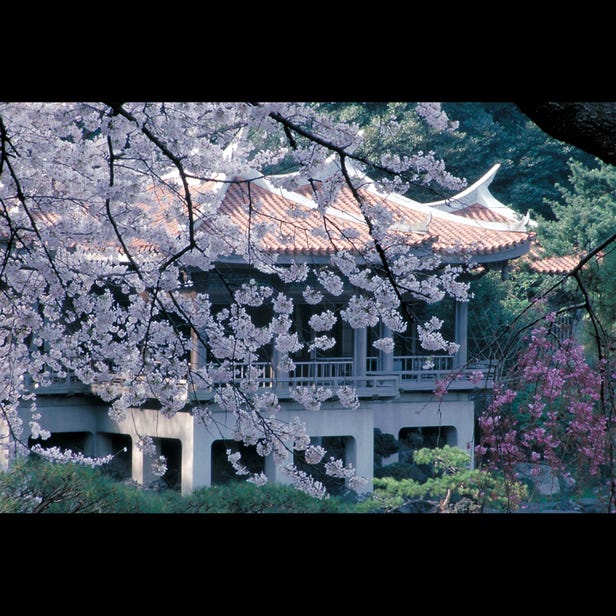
(408, 372)
(414, 363)
(322, 369)
(55, 382)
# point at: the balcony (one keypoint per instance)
(56, 383)
(423, 373)
(407, 373)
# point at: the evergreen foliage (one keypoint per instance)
(453, 487)
(38, 486)
(532, 163)
(585, 217)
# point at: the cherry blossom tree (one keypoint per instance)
(105, 208)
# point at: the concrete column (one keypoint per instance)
(4, 444)
(465, 428)
(198, 354)
(101, 445)
(195, 351)
(280, 375)
(275, 473)
(359, 451)
(360, 352)
(350, 451)
(137, 462)
(461, 334)
(148, 475)
(90, 444)
(197, 460)
(386, 360)
(187, 468)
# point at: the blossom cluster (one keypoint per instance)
(311, 397)
(322, 322)
(557, 420)
(113, 231)
(55, 454)
(432, 340)
(305, 482)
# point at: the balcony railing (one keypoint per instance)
(56, 383)
(407, 373)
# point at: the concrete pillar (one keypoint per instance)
(359, 451)
(360, 352)
(148, 475)
(465, 432)
(197, 460)
(101, 445)
(137, 462)
(350, 451)
(4, 444)
(194, 352)
(281, 376)
(187, 468)
(198, 354)
(90, 444)
(461, 334)
(386, 360)
(274, 472)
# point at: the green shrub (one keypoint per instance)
(452, 487)
(401, 470)
(34, 485)
(248, 498)
(39, 486)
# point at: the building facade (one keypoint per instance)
(396, 391)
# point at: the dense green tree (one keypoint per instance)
(588, 125)
(532, 163)
(586, 217)
(452, 487)
(34, 485)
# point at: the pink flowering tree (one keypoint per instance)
(105, 208)
(554, 407)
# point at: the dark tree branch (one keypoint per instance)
(176, 160)
(586, 125)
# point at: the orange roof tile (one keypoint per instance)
(447, 235)
(291, 223)
(478, 212)
(292, 228)
(554, 265)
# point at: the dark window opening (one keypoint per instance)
(222, 470)
(335, 447)
(77, 442)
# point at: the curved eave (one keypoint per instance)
(477, 192)
(495, 256)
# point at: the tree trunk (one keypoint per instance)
(586, 125)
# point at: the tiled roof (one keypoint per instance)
(291, 223)
(446, 232)
(290, 227)
(479, 212)
(452, 237)
(556, 265)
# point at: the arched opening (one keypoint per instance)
(120, 445)
(335, 447)
(412, 439)
(77, 442)
(223, 471)
(171, 448)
